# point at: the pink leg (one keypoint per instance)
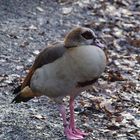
(72, 123)
(68, 132)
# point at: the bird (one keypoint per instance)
(65, 68)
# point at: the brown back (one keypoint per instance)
(48, 55)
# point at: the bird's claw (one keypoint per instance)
(79, 132)
(74, 134)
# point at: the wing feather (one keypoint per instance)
(48, 55)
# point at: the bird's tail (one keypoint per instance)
(17, 90)
(24, 95)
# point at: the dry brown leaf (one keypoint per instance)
(119, 118)
(134, 42)
(115, 76)
(138, 58)
(128, 86)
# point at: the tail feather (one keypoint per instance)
(24, 95)
(17, 90)
(19, 98)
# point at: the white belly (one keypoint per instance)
(76, 65)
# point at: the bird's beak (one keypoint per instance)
(98, 44)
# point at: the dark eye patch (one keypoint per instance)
(87, 35)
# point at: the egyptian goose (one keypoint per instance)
(65, 69)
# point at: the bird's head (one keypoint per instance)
(81, 36)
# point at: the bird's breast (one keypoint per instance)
(88, 61)
(79, 64)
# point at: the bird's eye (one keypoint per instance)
(87, 35)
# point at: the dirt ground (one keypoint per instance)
(110, 110)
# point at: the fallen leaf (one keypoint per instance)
(38, 116)
(106, 105)
(138, 58)
(40, 9)
(134, 42)
(115, 76)
(24, 44)
(113, 127)
(32, 27)
(66, 11)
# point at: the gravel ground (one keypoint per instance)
(27, 26)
